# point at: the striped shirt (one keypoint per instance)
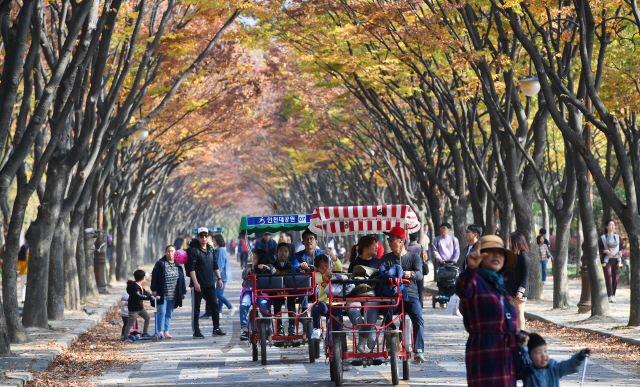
(170, 280)
(545, 254)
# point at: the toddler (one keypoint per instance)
(137, 295)
(124, 313)
(547, 372)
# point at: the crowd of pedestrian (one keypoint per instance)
(493, 287)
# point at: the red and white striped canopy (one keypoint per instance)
(329, 221)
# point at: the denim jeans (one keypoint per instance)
(322, 309)
(165, 311)
(244, 309)
(222, 300)
(543, 270)
(414, 310)
(355, 316)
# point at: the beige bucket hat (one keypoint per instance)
(495, 242)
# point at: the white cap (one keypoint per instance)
(203, 229)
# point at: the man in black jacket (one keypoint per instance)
(202, 267)
(471, 236)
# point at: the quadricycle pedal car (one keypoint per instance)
(393, 337)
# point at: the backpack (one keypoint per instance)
(245, 248)
(386, 289)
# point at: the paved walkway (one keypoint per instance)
(226, 361)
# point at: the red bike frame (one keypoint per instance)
(390, 302)
(257, 294)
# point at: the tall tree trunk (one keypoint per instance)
(16, 331)
(115, 220)
(136, 252)
(57, 270)
(82, 265)
(123, 235)
(545, 215)
(599, 302)
(71, 274)
(89, 248)
(563, 234)
(5, 346)
(41, 233)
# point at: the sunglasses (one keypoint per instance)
(390, 239)
(202, 235)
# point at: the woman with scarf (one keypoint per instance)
(488, 315)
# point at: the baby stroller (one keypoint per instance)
(447, 275)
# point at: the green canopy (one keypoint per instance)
(274, 223)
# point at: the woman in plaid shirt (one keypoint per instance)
(488, 315)
(545, 255)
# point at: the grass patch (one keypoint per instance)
(620, 327)
(572, 271)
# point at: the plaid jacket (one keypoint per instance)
(491, 345)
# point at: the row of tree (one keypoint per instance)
(421, 103)
(83, 84)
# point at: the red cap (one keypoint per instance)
(397, 231)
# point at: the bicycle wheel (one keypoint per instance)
(406, 368)
(311, 343)
(262, 328)
(254, 350)
(393, 357)
(337, 361)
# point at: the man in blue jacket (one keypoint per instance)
(269, 245)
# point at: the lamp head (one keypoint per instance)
(530, 85)
(141, 134)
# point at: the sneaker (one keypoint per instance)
(198, 335)
(218, 332)
(128, 341)
(419, 358)
(280, 331)
(244, 336)
(613, 299)
(316, 334)
(145, 335)
(362, 345)
(371, 342)
(292, 330)
(206, 315)
(233, 311)
(122, 338)
(166, 335)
